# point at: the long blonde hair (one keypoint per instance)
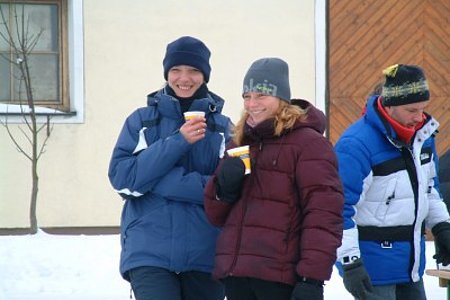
(284, 119)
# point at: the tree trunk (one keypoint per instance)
(33, 202)
(34, 157)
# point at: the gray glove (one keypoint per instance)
(356, 280)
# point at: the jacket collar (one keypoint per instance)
(169, 106)
(375, 118)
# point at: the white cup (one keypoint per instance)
(193, 114)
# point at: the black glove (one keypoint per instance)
(441, 233)
(229, 179)
(356, 280)
(307, 291)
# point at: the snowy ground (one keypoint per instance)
(82, 267)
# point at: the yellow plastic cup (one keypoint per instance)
(243, 153)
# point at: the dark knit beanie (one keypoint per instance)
(187, 51)
(269, 76)
(404, 84)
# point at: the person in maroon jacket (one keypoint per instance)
(282, 223)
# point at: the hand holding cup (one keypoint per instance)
(194, 128)
(243, 153)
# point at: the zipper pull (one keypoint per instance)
(390, 198)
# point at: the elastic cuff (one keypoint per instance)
(356, 264)
(349, 259)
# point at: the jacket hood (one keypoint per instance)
(374, 117)
(315, 118)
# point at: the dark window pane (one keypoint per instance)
(44, 18)
(4, 15)
(4, 80)
(43, 79)
(44, 74)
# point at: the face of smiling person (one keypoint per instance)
(409, 115)
(185, 80)
(260, 107)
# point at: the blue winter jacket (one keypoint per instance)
(161, 177)
(391, 196)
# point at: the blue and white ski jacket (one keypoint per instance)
(161, 177)
(391, 196)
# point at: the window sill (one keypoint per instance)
(47, 114)
(15, 114)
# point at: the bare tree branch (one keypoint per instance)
(44, 144)
(26, 135)
(34, 41)
(13, 139)
(22, 112)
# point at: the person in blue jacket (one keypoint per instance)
(388, 165)
(160, 166)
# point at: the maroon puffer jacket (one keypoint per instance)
(288, 220)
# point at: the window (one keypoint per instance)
(43, 26)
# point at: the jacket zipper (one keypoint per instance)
(241, 228)
(408, 156)
(239, 238)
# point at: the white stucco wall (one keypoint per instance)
(124, 44)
